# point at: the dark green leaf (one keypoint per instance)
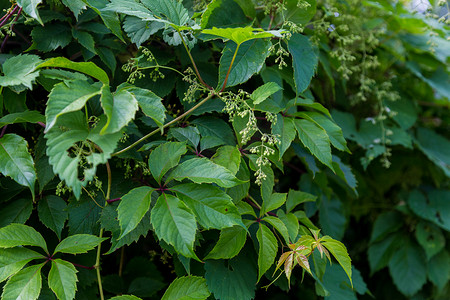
(439, 269)
(385, 224)
(380, 253)
(50, 37)
(52, 213)
(430, 237)
(85, 39)
(296, 197)
(331, 217)
(268, 248)
(304, 60)
(17, 211)
(30, 116)
(434, 207)
(83, 216)
(76, 6)
(436, 147)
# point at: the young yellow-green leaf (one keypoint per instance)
(279, 226)
(12, 260)
(21, 235)
(175, 223)
(188, 287)
(88, 68)
(340, 253)
(30, 116)
(240, 35)
(52, 213)
(268, 247)
(25, 284)
(304, 60)
(16, 162)
(203, 170)
(230, 243)
(67, 97)
(78, 243)
(164, 157)
(62, 279)
(150, 104)
(132, 208)
(120, 109)
(30, 8)
(212, 207)
(316, 140)
(20, 70)
(263, 92)
(285, 128)
(273, 202)
(296, 197)
(228, 157)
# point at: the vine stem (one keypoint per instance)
(12, 28)
(165, 125)
(229, 68)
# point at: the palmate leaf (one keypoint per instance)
(62, 279)
(175, 223)
(78, 243)
(66, 146)
(20, 71)
(188, 287)
(285, 128)
(26, 284)
(228, 157)
(21, 235)
(50, 37)
(16, 162)
(12, 260)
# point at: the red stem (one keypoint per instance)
(3, 131)
(12, 27)
(81, 266)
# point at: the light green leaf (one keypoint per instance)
(29, 116)
(88, 68)
(314, 105)
(125, 297)
(296, 197)
(26, 284)
(279, 226)
(62, 279)
(407, 268)
(132, 208)
(304, 60)
(273, 202)
(230, 243)
(316, 140)
(228, 157)
(175, 223)
(20, 70)
(16, 162)
(78, 243)
(249, 60)
(263, 92)
(12, 260)
(202, 170)
(85, 39)
(340, 253)
(150, 104)
(268, 247)
(67, 97)
(30, 8)
(76, 6)
(240, 35)
(285, 128)
(21, 235)
(120, 109)
(430, 237)
(188, 287)
(165, 157)
(212, 207)
(64, 142)
(52, 213)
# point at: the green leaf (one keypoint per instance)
(150, 104)
(189, 134)
(175, 223)
(436, 147)
(216, 130)
(17, 211)
(52, 213)
(316, 140)
(240, 35)
(279, 226)
(188, 287)
(263, 92)
(273, 202)
(228, 157)
(439, 269)
(21, 235)
(85, 39)
(132, 208)
(224, 14)
(67, 97)
(16, 162)
(380, 253)
(430, 237)
(212, 207)
(230, 243)
(285, 128)
(139, 30)
(29, 116)
(88, 68)
(30, 8)
(340, 253)
(249, 60)
(296, 197)
(76, 6)
(202, 170)
(332, 218)
(26, 284)
(125, 297)
(291, 223)
(407, 269)
(165, 157)
(110, 18)
(62, 279)
(78, 243)
(20, 70)
(304, 60)
(385, 224)
(14, 259)
(268, 247)
(50, 37)
(83, 216)
(64, 142)
(337, 284)
(344, 172)
(434, 207)
(299, 15)
(239, 192)
(120, 109)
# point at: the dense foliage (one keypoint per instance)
(224, 149)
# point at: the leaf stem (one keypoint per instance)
(211, 94)
(229, 68)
